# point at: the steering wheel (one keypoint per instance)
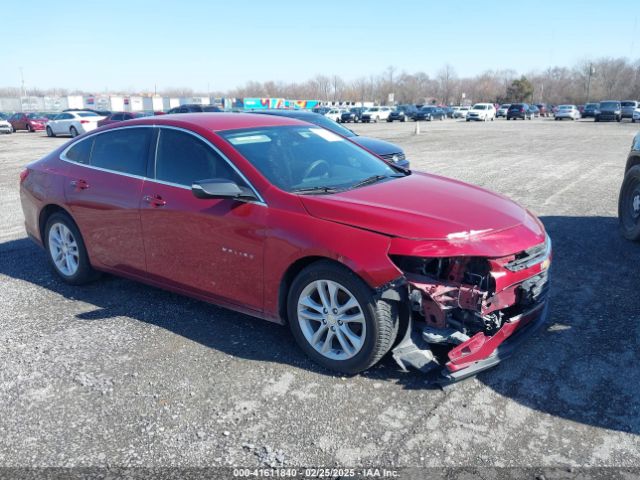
(315, 166)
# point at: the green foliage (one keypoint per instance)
(520, 90)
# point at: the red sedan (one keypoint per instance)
(286, 221)
(31, 122)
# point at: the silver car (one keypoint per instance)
(629, 107)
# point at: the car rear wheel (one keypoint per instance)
(337, 319)
(66, 250)
(50, 132)
(629, 205)
(73, 132)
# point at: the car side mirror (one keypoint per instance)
(221, 188)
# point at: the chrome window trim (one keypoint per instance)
(63, 157)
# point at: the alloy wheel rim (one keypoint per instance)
(331, 320)
(63, 248)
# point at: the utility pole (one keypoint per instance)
(591, 73)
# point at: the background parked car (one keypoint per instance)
(628, 107)
(502, 110)
(629, 199)
(567, 111)
(609, 110)
(543, 110)
(31, 122)
(5, 126)
(116, 117)
(195, 108)
(352, 115)
(402, 113)
(448, 111)
(589, 110)
(482, 112)
(376, 114)
(386, 150)
(429, 113)
(519, 110)
(102, 113)
(535, 111)
(461, 112)
(636, 116)
(73, 123)
(334, 114)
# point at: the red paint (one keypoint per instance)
(481, 346)
(236, 254)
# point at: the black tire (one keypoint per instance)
(628, 218)
(381, 317)
(73, 132)
(85, 272)
(50, 132)
(30, 129)
(596, 119)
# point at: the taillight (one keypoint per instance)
(23, 175)
(84, 121)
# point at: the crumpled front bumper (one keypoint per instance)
(478, 354)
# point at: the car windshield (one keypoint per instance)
(327, 123)
(609, 105)
(628, 104)
(34, 115)
(565, 107)
(308, 159)
(479, 107)
(506, 105)
(428, 109)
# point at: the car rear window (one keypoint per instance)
(123, 150)
(88, 114)
(80, 151)
(628, 104)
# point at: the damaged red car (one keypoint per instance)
(286, 221)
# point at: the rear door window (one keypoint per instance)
(123, 150)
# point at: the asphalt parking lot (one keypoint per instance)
(118, 373)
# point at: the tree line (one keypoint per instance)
(597, 79)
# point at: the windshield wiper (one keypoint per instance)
(373, 179)
(317, 189)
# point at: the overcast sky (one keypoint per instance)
(134, 44)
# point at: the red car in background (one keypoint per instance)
(283, 220)
(116, 117)
(31, 122)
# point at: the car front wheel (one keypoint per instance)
(66, 250)
(337, 319)
(629, 205)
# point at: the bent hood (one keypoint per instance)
(452, 215)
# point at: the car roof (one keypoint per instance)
(219, 121)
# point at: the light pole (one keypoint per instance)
(592, 72)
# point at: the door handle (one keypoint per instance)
(79, 184)
(154, 200)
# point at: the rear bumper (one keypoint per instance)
(514, 334)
